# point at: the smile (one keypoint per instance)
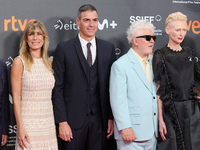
(35, 43)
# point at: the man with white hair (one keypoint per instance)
(133, 92)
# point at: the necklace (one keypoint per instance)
(173, 49)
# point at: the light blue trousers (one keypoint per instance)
(145, 145)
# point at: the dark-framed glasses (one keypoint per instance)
(147, 37)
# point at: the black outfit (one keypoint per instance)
(81, 93)
(4, 100)
(179, 75)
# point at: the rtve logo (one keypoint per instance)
(194, 26)
(73, 26)
(15, 22)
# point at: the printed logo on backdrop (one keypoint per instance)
(151, 19)
(192, 25)
(71, 25)
(186, 1)
(117, 51)
(9, 63)
(12, 135)
(16, 24)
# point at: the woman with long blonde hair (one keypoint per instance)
(32, 82)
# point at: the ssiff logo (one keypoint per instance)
(73, 26)
(191, 25)
(147, 18)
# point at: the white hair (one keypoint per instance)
(135, 29)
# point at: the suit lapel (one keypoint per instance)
(99, 55)
(138, 69)
(79, 52)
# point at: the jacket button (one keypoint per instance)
(154, 97)
(154, 114)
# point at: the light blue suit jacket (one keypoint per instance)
(133, 101)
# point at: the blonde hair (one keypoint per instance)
(24, 51)
(174, 17)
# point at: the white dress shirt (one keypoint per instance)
(92, 47)
(146, 66)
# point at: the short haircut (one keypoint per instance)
(174, 17)
(135, 29)
(86, 7)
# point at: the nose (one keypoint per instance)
(91, 23)
(182, 33)
(35, 36)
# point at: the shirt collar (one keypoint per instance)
(84, 42)
(140, 58)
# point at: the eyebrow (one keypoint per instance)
(89, 19)
(31, 32)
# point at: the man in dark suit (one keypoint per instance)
(81, 94)
(4, 104)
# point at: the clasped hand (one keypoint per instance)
(128, 135)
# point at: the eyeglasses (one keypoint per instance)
(148, 37)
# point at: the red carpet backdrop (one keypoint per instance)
(115, 16)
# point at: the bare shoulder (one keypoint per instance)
(17, 65)
(17, 62)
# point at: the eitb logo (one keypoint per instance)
(71, 25)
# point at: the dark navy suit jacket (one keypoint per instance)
(70, 91)
(4, 100)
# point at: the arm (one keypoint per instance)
(16, 75)
(110, 128)
(65, 132)
(4, 139)
(5, 107)
(119, 102)
(162, 126)
(113, 59)
(64, 129)
(128, 135)
(158, 71)
(110, 121)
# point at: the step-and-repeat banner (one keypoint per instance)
(115, 16)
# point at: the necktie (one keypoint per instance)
(89, 54)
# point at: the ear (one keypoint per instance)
(135, 41)
(77, 21)
(167, 30)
